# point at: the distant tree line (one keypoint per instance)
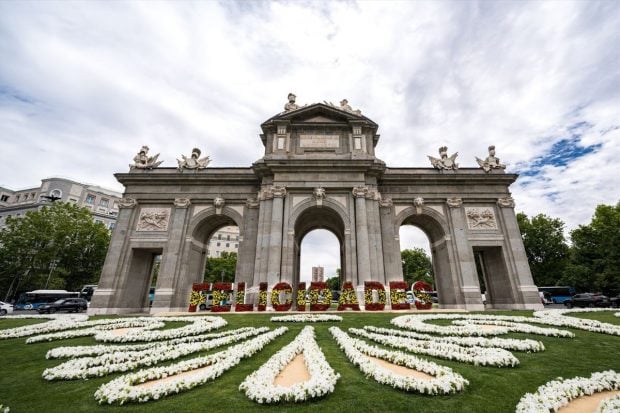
(590, 263)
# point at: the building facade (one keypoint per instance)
(319, 171)
(224, 240)
(317, 274)
(103, 203)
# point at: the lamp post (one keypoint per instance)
(53, 265)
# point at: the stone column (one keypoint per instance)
(169, 293)
(392, 261)
(516, 258)
(361, 226)
(101, 301)
(247, 244)
(468, 283)
(262, 240)
(275, 235)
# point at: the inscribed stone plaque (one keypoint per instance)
(319, 141)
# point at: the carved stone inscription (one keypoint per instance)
(319, 141)
(153, 219)
(480, 218)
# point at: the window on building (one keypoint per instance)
(357, 130)
(236, 245)
(32, 195)
(90, 199)
(74, 200)
(219, 236)
(218, 244)
(281, 129)
(112, 225)
(4, 198)
(228, 238)
(227, 245)
(98, 221)
(104, 202)
(16, 198)
(357, 143)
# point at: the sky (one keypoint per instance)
(83, 85)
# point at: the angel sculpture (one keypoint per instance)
(143, 161)
(491, 162)
(444, 162)
(194, 161)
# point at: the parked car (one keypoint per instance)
(5, 308)
(615, 301)
(587, 300)
(66, 304)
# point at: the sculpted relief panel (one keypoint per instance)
(481, 218)
(153, 219)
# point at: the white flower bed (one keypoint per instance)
(306, 318)
(505, 343)
(198, 325)
(478, 356)
(56, 323)
(107, 363)
(4, 409)
(259, 386)
(558, 393)
(445, 381)
(557, 317)
(123, 389)
(611, 405)
(79, 351)
(418, 323)
(83, 332)
(517, 327)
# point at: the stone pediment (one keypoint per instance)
(318, 113)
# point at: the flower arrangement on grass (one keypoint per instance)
(125, 389)
(398, 295)
(197, 297)
(4, 409)
(423, 300)
(348, 298)
(611, 405)
(306, 318)
(57, 323)
(320, 296)
(240, 304)
(530, 346)
(107, 363)
(478, 356)
(259, 386)
(558, 393)
(142, 323)
(221, 293)
(445, 381)
(300, 300)
(285, 288)
(369, 287)
(557, 317)
(262, 296)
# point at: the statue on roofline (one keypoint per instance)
(193, 161)
(491, 162)
(444, 162)
(143, 161)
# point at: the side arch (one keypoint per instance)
(430, 221)
(208, 221)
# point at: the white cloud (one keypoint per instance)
(84, 85)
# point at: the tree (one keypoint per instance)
(55, 247)
(545, 246)
(333, 283)
(595, 254)
(417, 266)
(227, 263)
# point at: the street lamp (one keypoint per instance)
(53, 265)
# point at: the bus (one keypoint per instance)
(34, 299)
(558, 294)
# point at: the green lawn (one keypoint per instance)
(491, 389)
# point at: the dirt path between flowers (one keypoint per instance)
(587, 404)
(401, 370)
(294, 372)
(185, 374)
(120, 331)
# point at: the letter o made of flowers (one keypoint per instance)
(285, 288)
(424, 301)
(369, 287)
(316, 291)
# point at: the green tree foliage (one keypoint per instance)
(59, 245)
(595, 253)
(417, 266)
(333, 283)
(227, 262)
(545, 246)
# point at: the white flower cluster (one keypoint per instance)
(479, 356)
(98, 326)
(528, 345)
(306, 318)
(4, 409)
(558, 393)
(197, 325)
(556, 317)
(259, 386)
(445, 381)
(107, 363)
(124, 389)
(56, 323)
(498, 325)
(79, 351)
(610, 405)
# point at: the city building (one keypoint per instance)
(317, 274)
(103, 203)
(223, 240)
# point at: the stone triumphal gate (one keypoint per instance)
(319, 171)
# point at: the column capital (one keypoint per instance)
(252, 203)
(360, 191)
(454, 202)
(506, 202)
(278, 191)
(127, 203)
(385, 202)
(182, 202)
